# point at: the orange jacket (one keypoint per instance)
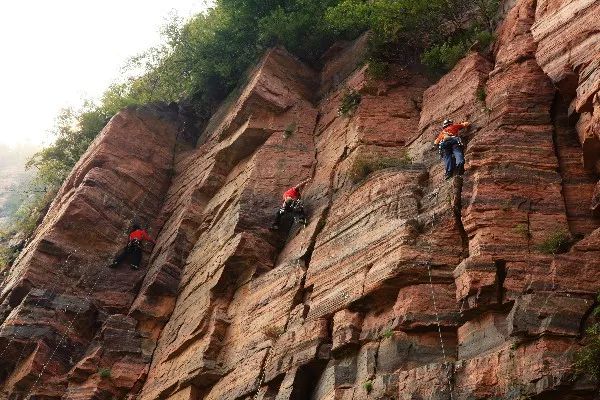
(450, 131)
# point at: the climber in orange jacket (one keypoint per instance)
(451, 147)
(291, 203)
(134, 249)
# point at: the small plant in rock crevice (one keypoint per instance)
(587, 359)
(104, 373)
(350, 101)
(388, 333)
(523, 230)
(364, 166)
(289, 130)
(480, 94)
(368, 386)
(557, 242)
(272, 332)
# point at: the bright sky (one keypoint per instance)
(54, 53)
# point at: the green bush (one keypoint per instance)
(587, 360)
(443, 57)
(556, 243)
(523, 230)
(378, 69)
(349, 103)
(289, 130)
(7, 256)
(480, 94)
(407, 29)
(368, 386)
(365, 166)
(388, 333)
(104, 373)
(483, 39)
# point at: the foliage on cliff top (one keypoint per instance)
(439, 32)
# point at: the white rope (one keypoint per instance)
(63, 336)
(439, 326)
(35, 305)
(435, 309)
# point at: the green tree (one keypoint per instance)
(442, 30)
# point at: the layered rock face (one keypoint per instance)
(402, 285)
(64, 311)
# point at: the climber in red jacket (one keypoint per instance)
(134, 249)
(451, 147)
(291, 203)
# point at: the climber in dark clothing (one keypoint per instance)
(451, 147)
(291, 204)
(134, 249)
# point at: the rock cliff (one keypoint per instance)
(402, 286)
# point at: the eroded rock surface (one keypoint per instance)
(402, 286)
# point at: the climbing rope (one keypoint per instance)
(64, 335)
(263, 374)
(11, 189)
(86, 296)
(435, 309)
(35, 305)
(439, 326)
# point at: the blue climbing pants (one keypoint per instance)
(452, 153)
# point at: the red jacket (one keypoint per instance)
(450, 131)
(140, 235)
(292, 193)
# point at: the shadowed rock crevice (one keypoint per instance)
(578, 183)
(457, 186)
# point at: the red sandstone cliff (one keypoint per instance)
(402, 286)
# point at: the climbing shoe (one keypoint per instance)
(113, 265)
(274, 227)
(133, 266)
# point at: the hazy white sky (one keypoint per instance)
(54, 53)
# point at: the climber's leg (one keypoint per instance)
(277, 221)
(299, 211)
(136, 256)
(448, 161)
(120, 257)
(457, 150)
(285, 207)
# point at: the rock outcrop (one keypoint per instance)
(402, 286)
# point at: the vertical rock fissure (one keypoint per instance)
(457, 185)
(559, 161)
(575, 180)
(500, 278)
